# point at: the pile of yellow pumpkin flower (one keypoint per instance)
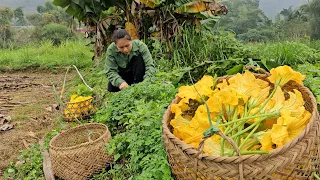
(78, 106)
(257, 115)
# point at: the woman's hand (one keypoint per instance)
(123, 85)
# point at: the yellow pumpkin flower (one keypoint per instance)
(266, 142)
(297, 112)
(276, 102)
(240, 110)
(268, 123)
(203, 87)
(182, 106)
(214, 104)
(297, 126)
(289, 127)
(184, 132)
(285, 119)
(283, 74)
(187, 92)
(73, 97)
(189, 135)
(249, 144)
(247, 85)
(279, 134)
(227, 97)
(200, 121)
(295, 100)
(256, 101)
(223, 85)
(302, 121)
(179, 121)
(176, 109)
(242, 96)
(212, 146)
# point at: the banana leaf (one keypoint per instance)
(131, 30)
(182, 2)
(192, 7)
(152, 3)
(62, 3)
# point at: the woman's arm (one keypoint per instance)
(148, 61)
(111, 68)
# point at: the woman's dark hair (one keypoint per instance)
(120, 34)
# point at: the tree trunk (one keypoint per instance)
(98, 47)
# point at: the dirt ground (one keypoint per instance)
(28, 98)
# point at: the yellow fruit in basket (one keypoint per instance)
(85, 110)
(87, 97)
(73, 97)
(75, 105)
(78, 105)
(67, 114)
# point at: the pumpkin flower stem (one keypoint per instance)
(222, 117)
(251, 117)
(248, 128)
(234, 118)
(267, 100)
(245, 110)
(250, 134)
(237, 127)
(316, 176)
(223, 140)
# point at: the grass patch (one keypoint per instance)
(20, 118)
(285, 53)
(30, 109)
(46, 56)
(314, 44)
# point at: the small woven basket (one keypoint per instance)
(82, 110)
(299, 159)
(75, 156)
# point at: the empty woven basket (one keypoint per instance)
(299, 159)
(74, 156)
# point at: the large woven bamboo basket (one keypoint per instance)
(74, 156)
(299, 159)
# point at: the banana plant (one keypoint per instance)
(141, 17)
(169, 15)
(99, 15)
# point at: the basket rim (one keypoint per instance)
(105, 134)
(243, 158)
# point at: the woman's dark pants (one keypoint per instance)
(132, 74)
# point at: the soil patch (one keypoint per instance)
(28, 98)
